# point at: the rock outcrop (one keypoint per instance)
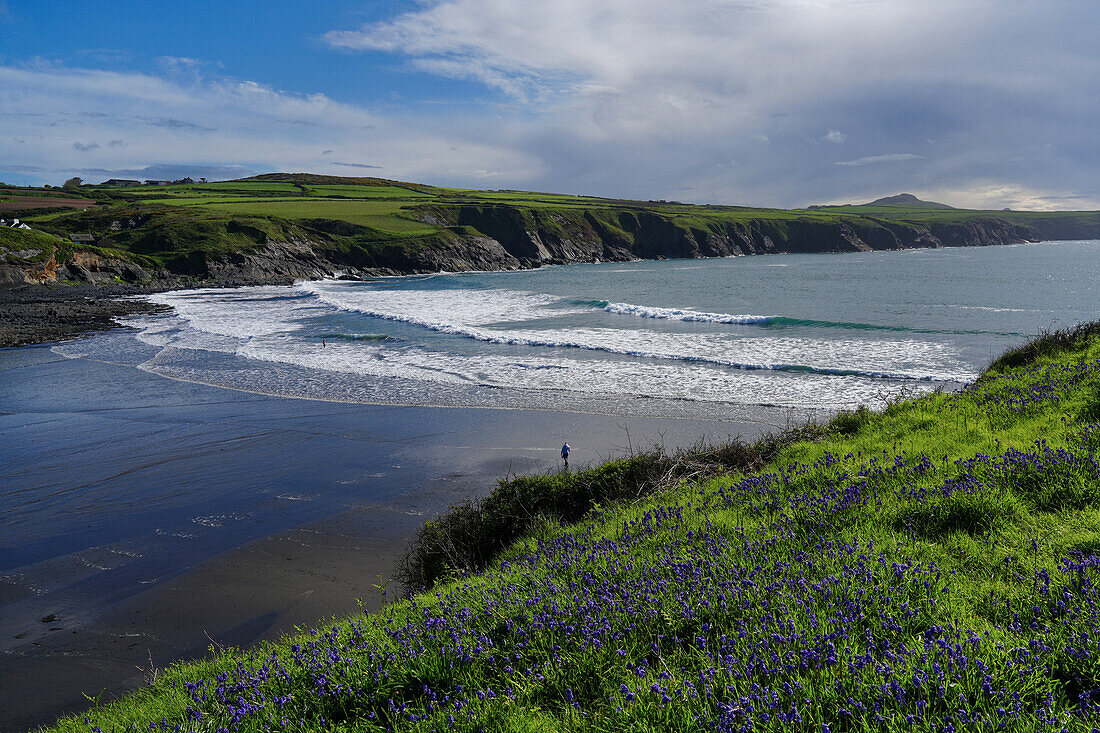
(531, 237)
(500, 237)
(89, 267)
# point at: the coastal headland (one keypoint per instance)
(277, 228)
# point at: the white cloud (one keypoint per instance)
(992, 195)
(887, 158)
(217, 121)
(640, 97)
(637, 98)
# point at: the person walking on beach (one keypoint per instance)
(565, 454)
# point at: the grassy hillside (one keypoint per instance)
(411, 214)
(31, 250)
(281, 191)
(391, 205)
(935, 566)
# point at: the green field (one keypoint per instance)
(378, 225)
(22, 246)
(391, 207)
(386, 216)
(935, 215)
(222, 194)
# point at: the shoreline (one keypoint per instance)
(41, 314)
(34, 314)
(192, 515)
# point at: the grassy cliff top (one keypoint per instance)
(400, 208)
(397, 226)
(933, 566)
(29, 247)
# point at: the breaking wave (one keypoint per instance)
(464, 313)
(772, 322)
(676, 314)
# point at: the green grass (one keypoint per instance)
(369, 192)
(311, 187)
(385, 216)
(928, 565)
(1038, 219)
(160, 234)
(241, 186)
(375, 210)
(380, 225)
(9, 193)
(29, 247)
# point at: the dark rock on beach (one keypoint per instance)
(34, 314)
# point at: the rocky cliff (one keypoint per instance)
(515, 236)
(159, 250)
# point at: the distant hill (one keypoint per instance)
(315, 179)
(279, 227)
(908, 199)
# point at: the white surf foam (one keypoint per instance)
(472, 313)
(254, 327)
(586, 378)
(447, 311)
(241, 312)
(677, 314)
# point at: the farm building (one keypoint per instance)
(120, 182)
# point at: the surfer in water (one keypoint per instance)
(565, 454)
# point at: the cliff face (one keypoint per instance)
(489, 237)
(1082, 225)
(983, 232)
(532, 237)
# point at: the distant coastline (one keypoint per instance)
(91, 245)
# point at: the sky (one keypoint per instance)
(977, 103)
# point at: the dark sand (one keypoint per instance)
(146, 520)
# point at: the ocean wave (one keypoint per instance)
(688, 315)
(506, 317)
(988, 308)
(771, 322)
(700, 368)
(461, 307)
(467, 313)
(677, 314)
(548, 376)
(240, 313)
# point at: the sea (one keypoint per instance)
(674, 338)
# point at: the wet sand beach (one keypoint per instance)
(145, 520)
